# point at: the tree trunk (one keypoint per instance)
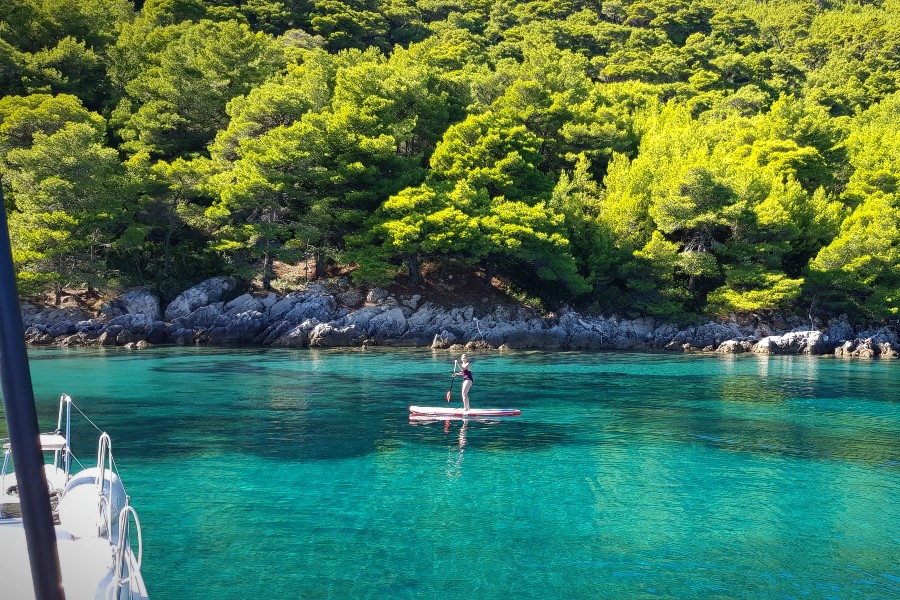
(412, 264)
(489, 270)
(267, 272)
(320, 264)
(167, 254)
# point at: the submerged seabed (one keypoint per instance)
(297, 473)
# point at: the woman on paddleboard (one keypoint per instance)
(465, 369)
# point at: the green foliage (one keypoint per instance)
(35, 25)
(350, 24)
(433, 221)
(322, 147)
(522, 236)
(578, 198)
(853, 53)
(69, 68)
(420, 223)
(666, 157)
(874, 148)
(12, 65)
(860, 269)
(750, 289)
(23, 117)
(67, 189)
(492, 151)
(177, 104)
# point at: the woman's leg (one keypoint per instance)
(465, 393)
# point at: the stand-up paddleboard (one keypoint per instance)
(440, 411)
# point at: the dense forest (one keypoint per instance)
(661, 157)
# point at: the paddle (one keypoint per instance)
(452, 379)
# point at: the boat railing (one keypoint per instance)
(104, 492)
(65, 405)
(125, 516)
(115, 520)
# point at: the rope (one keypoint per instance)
(478, 327)
(112, 460)
(87, 418)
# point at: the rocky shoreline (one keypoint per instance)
(340, 315)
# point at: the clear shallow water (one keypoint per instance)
(264, 474)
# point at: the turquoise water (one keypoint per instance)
(297, 474)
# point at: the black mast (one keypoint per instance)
(24, 435)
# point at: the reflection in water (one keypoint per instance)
(455, 454)
(747, 388)
(763, 364)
